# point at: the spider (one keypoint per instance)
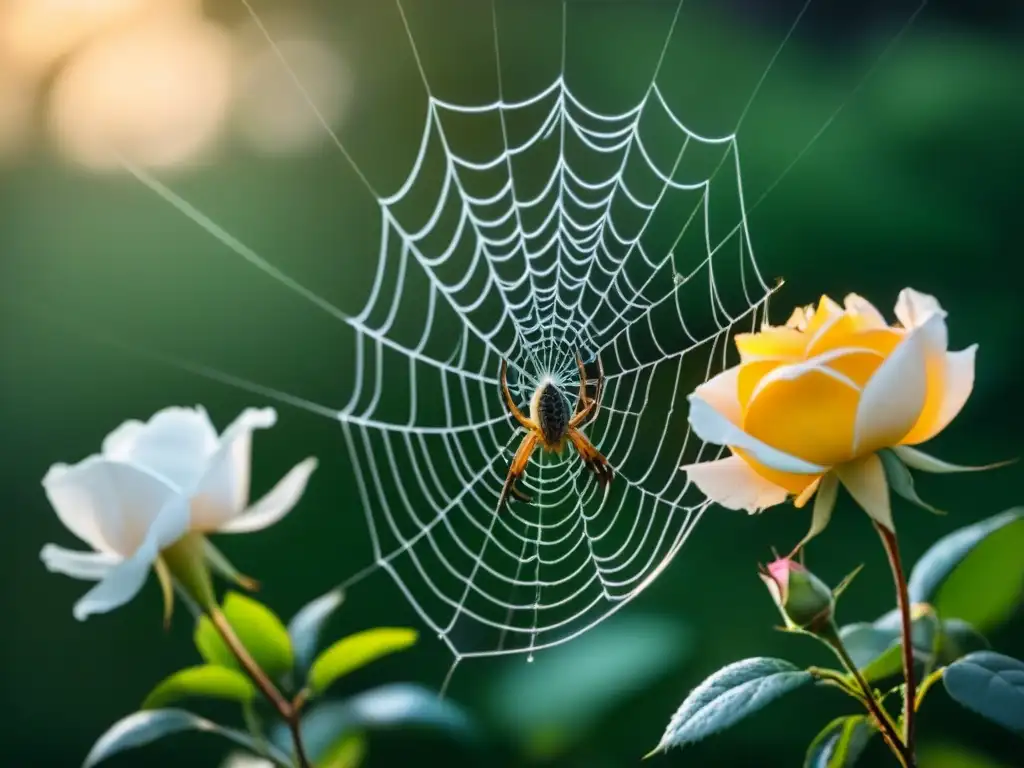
(550, 426)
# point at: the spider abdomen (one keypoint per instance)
(551, 413)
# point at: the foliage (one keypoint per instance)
(943, 646)
(334, 730)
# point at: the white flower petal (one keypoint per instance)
(721, 392)
(733, 484)
(865, 480)
(88, 566)
(223, 490)
(125, 579)
(106, 504)
(957, 380)
(713, 427)
(175, 443)
(914, 309)
(894, 397)
(276, 504)
(864, 309)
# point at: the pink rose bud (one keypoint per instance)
(804, 600)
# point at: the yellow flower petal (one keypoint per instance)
(948, 390)
(865, 480)
(750, 375)
(818, 409)
(771, 343)
(713, 427)
(734, 484)
(893, 400)
(793, 482)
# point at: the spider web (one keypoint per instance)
(535, 268)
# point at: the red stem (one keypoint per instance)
(903, 602)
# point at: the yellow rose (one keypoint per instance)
(812, 402)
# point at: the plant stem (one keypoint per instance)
(885, 724)
(907, 640)
(284, 708)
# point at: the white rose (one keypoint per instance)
(152, 484)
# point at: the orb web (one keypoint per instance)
(629, 247)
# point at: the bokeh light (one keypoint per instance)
(156, 92)
(273, 116)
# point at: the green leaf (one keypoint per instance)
(938, 563)
(902, 482)
(208, 681)
(990, 684)
(985, 589)
(306, 626)
(959, 639)
(876, 647)
(355, 651)
(840, 743)
(392, 706)
(348, 752)
(141, 728)
(728, 696)
(259, 630)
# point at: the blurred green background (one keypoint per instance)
(916, 181)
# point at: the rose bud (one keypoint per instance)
(804, 600)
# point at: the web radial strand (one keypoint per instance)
(611, 249)
(619, 238)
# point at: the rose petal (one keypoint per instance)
(948, 390)
(733, 484)
(125, 579)
(713, 427)
(892, 401)
(174, 443)
(88, 566)
(806, 410)
(721, 392)
(868, 316)
(223, 491)
(106, 504)
(275, 504)
(771, 344)
(865, 480)
(914, 309)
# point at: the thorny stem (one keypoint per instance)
(885, 725)
(285, 709)
(903, 602)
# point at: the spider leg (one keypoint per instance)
(517, 469)
(510, 403)
(592, 458)
(593, 405)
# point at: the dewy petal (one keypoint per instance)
(125, 580)
(174, 443)
(894, 398)
(223, 489)
(732, 483)
(106, 504)
(865, 480)
(88, 566)
(713, 427)
(914, 309)
(947, 393)
(276, 504)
